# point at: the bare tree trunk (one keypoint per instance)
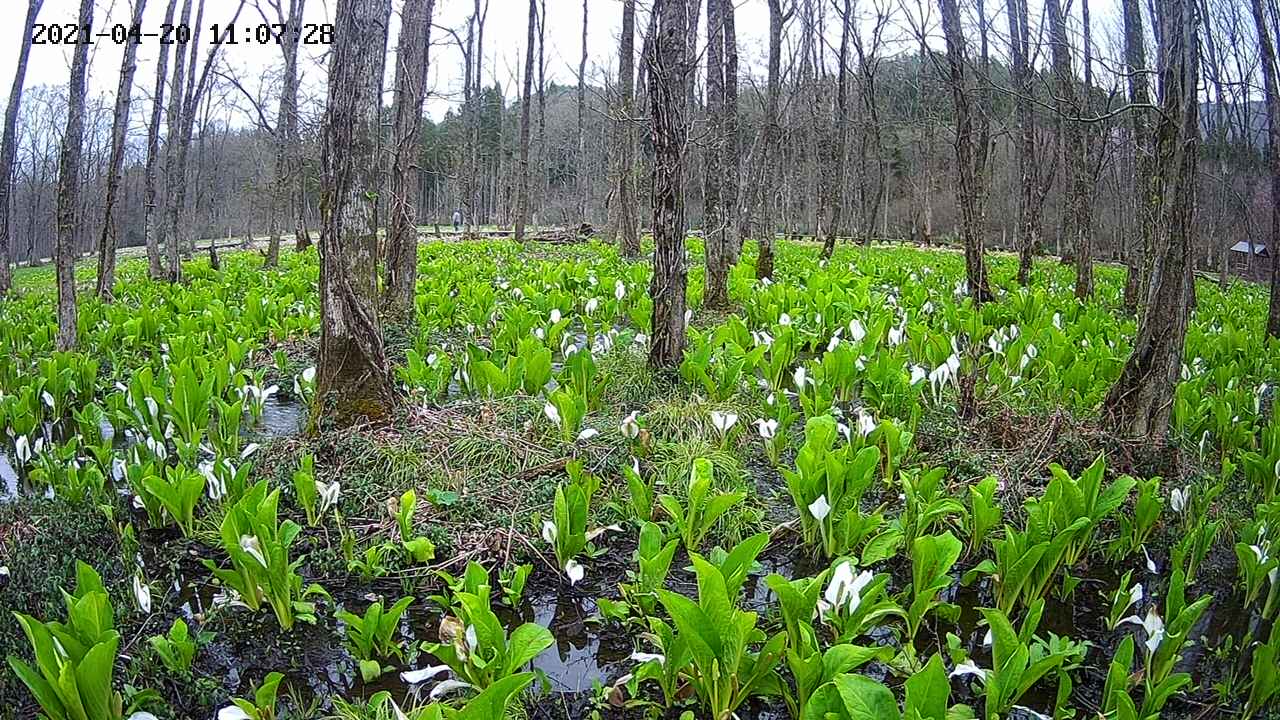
(729, 160)
(1075, 178)
(628, 236)
(522, 199)
(153, 155)
(715, 292)
(352, 372)
(69, 188)
(173, 131)
(108, 239)
(669, 71)
(9, 148)
(970, 163)
(831, 182)
(406, 117)
(1139, 404)
(1028, 233)
(580, 160)
(1139, 254)
(772, 141)
(1271, 90)
(286, 132)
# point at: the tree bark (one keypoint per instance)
(729, 160)
(715, 293)
(1029, 226)
(1075, 177)
(1140, 402)
(624, 175)
(411, 87)
(286, 133)
(970, 163)
(772, 141)
(108, 238)
(69, 188)
(580, 155)
(152, 233)
(669, 71)
(831, 182)
(352, 372)
(522, 197)
(9, 148)
(1139, 253)
(1271, 94)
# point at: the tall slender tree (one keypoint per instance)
(69, 187)
(1029, 228)
(771, 140)
(580, 150)
(286, 130)
(9, 147)
(352, 372)
(1076, 178)
(406, 118)
(522, 199)
(107, 239)
(1138, 254)
(153, 231)
(1271, 97)
(624, 174)
(1139, 403)
(668, 87)
(176, 192)
(831, 181)
(715, 293)
(970, 160)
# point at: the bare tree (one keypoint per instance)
(624, 173)
(154, 233)
(353, 364)
(522, 199)
(831, 178)
(1139, 253)
(669, 74)
(771, 140)
(970, 161)
(180, 143)
(715, 293)
(1029, 197)
(1140, 402)
(411, 87)
(107, 240)
(1075, 176)
(286, 140)
(69, 187)
(580, 154)
(1271, 94)
(8, 147)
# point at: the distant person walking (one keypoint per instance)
(457, 221)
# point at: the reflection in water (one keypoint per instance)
(9, 477)
(281, 417)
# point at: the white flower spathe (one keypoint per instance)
(142, 593)
(723, 421)
(251, 545)
(1152, 625)
(630, 426)
(574, 571)
(844, 591)
(820, 508)
(552, 413)
(768, 428)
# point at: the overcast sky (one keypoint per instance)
(505, 32)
